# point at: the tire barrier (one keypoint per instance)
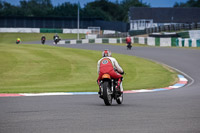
(188, 42)
(151, 41)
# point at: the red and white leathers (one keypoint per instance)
(128, 39)
(110, 66)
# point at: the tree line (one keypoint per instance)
(189, 3)
(103, 9)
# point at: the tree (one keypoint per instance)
(126, 4)
(117, 11)
(103, 9)
(65, 9)
(35, 7)
(189, 3)
(111, 11)
(7, 9)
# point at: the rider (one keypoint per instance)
(18, 41)
(128, 40)
(109, 65)
(43, 38)
(55, 37)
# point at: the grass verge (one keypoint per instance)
(42, 68)
(12, 37)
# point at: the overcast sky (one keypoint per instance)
(153, 3)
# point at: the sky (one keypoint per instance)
(153, 3)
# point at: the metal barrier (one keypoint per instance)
(61, 22)
(173, 27)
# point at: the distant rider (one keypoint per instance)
(43, 39)
(18, 41)
(128, 41)
(109, 65)
(56, 38)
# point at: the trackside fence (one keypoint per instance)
(151, 41)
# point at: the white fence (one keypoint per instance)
(20, 30)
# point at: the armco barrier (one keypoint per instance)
(157, 41)
(190, 42)
(85, 41)
(81, 31)
(173, 41)
(46, 30)
(166, 42)
(181, 42)
(98, 40)
(141, 40)
(105, 40)
(151, 41)
(19, 30)
(186, 44)
(198, 43)
(112, 40)
(136, 40)
(145, 40)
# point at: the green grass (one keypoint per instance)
(12, 37)
(41, 68)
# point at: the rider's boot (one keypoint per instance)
(119, 86)
(99, 84)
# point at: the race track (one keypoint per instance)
(172, 111)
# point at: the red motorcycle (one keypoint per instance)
(108, 90)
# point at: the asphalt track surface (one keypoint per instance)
(172, 111)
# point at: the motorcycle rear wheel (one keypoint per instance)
(107, 94)
(129, 47)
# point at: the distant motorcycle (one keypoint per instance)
(108, 90)
(56, 40)
(129, 46)
(18, 41)
(43, 41)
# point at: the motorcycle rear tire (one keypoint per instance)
(129, 47)
(107, 95)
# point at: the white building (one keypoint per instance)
(141, 18)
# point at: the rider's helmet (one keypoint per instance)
(106, 53)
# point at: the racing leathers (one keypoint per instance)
(128, 41)
(110, 66)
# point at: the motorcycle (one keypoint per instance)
(108, 90)
(43, 41)
(56, 40)
(18, 41)
(129, 46)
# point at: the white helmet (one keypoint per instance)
(106, 53)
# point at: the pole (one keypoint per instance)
(78, 21)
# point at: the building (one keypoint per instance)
(143, 17)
